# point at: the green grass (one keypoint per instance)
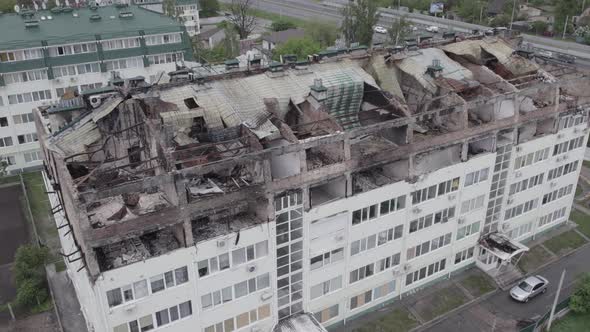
(60, 265)
(533, 259)
(442, 302)
(583, 221)
(572, 323)
(41, 211)
(398, 320)
(579, 190)
(477, 285)
(564, 242)
(586, 163)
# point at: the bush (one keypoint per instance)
(301, 47)
(29, 275)
(281, 25)
(580, 300)
(209, 8)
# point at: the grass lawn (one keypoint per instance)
(536, 257)
(477, 285)
(572, 323)
(583, 221)
(398, 320)
(41, 211)
(442, 302)
(579, 190)
(564, 242)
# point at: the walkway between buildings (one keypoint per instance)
(66, 302)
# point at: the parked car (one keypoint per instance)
(379, 29)
(432, 28)
(529, 288)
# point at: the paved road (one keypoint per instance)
(503, 307)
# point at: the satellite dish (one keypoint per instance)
(16, 9)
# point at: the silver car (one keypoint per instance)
(529, 288)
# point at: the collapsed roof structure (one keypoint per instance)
(151, 168)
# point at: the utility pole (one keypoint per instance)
(480, 11)
(512, 16)
(564, 28)
(555, 300)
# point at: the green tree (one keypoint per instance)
(501, 20)
(360, 17)
(242, 17)
(209, 8)
(7, 6)
(580, 300)
(399, 30)
(563, 9)
(324, 33)
(281, 25)
(539, 27)
(302, 47)
(169, 7)
(471, 11)
(29, 275)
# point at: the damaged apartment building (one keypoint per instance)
(295, 197)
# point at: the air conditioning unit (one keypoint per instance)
(416, 210)
(73, 79)
(407, 267)
(452, 197)
(130, 307)
(576, 130)
(558, 159)
(559, 136)
(58, 79)
(509, 201)
(251, 268)
(339, 237)
(220, 243)
(517, 174)
(565, 157)
(553, 184)
(444, 220)
(265, 296)
(585, 130)
(505, 227)
(518, 148)
(461, 220)
(395, 272)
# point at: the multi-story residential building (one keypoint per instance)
(238, 201)
(186, 11)
(44, 54)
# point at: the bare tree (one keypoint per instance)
(360, 16)
(241, 17)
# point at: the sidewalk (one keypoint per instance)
(66, 302)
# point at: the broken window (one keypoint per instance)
(134, 154)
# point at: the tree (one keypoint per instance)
(360, 17)
(399, 30)
(228, 48)
(302, 47)
(7, 6)
(281, 25)
(324, 33)
(580, 300)
(501, 20)
(3, 166)
(539, 27)
(29, 274)
(471, 11)
(565, 9)
(209, 8)
(241, 17)
(169, 7)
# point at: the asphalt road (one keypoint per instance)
(501, 306)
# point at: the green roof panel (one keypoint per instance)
(76, 26)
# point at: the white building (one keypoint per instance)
(45, 53)
(186, 11)
(250, 199)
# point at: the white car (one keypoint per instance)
(379, 29)
(432, 28)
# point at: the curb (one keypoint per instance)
(61, 329)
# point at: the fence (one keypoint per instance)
(539, 323)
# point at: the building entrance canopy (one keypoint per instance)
(501, 246)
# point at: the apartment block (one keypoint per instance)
(46, 54)
(296, 197)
